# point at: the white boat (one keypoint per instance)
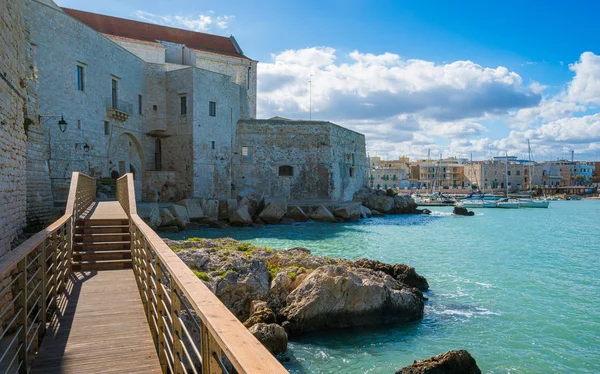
(534, 203)
(508, 204)
(469, 203)
(531, 202)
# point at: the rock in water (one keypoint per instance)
(348, 212)
(462, 211)
(322, 214)
(272, 213)
(272, 336)
(403, 273)
(365, 212)
(297, 214)
(334, 297)
(451, 362)
(404, 205)
(383, 204)
(241, 217)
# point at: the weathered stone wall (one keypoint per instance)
(242, 73)
(320, 154)
(212, 167)
(151, 52)
(62, 44)
(13, 67)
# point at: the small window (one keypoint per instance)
(115, 94)
(248, 77)
(351, 172)
(140, 104)
(518, 172)
(212, 145)
(212, 108)
(78, 124)
(155, 107)
(286, 171)
(80, 77)
(508, 172)
(183, 100)
(106, 128)
(247, 154)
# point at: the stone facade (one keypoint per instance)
(299, 160)
(13, 101)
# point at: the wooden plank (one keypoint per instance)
(104, 210)
(102, 329)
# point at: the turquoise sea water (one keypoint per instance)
(519, 289)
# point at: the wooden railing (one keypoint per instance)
(32, 278)
(193, 331)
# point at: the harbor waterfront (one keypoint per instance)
(518, 289)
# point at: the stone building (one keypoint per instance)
(174, 107)
(446, 173)
(299, 160)
(13, 102)
(493, 174)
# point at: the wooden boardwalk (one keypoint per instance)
(100, 328)
(104, 210)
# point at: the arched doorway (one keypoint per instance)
(126, 156)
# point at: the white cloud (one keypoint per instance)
(200, 23)
(585, 86)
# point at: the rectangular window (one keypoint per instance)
(212, 108)
(212, 145)
(78, 124)
(106, 128)
(114, 93)
(183, 104)
(80, 82)
(140, 108)
(247, 154)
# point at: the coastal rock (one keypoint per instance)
(260, 313)
(297, 214)
(404, 204)
(151, 214)
(403, 273)
(281, 202)
(241, 217)
(272, 336)
(390, 192)
(250, 204)
(180, 214)
(211, 209)
(362, 194)
(451, 362)
(193, 208)
(168, 229)
(227, 207)
(322, 214)
(272, 213)
(167, 218)
(383, 204)
(281, 286)
(334, 297)
(462, 211)
(365, 212)
(377, 213)
(348, 212)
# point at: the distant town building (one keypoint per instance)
(444, 174)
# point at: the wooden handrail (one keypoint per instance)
(170, 291)
(34, 276)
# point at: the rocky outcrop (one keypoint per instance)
(322, 214)
(272, 336)
(260, 313)
(365, 212)
(404, 205)
(462, 211)
(334, 297)
(167, 218)
(297, 214)
(348, 211)
(180, 214)
(241, 217)
(451, 362)
(272, 213)
(383, 204)
(403, 273)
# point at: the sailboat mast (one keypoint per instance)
(472, 171)
(530, 175)
(506, 171)
(428, 157)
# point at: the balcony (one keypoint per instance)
(118, 109)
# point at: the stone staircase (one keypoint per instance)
(101, 244)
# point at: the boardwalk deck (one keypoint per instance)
(101, 328)
(100, 210)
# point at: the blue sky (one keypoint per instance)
(453, 77)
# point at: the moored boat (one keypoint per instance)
(534, 203)
(508, 204)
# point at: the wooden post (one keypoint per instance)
(22, 266)
(42, 302)
(149, 295)
(54, 274)
(162, 354)
(177, 330)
